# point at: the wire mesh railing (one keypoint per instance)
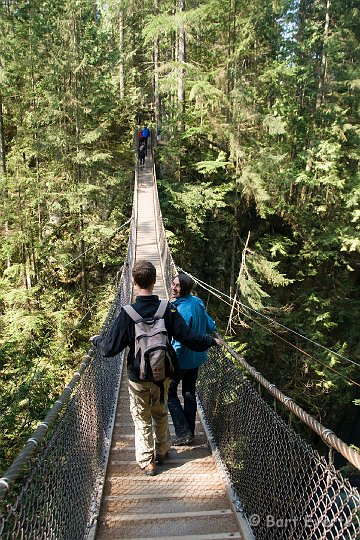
(168, 266)
(284, 487)
(56, 480)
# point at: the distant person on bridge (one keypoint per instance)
(193, 311)
(146, 406)
(145, 136)
(140, 137)
(142, 154)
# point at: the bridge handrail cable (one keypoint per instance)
(327, 435)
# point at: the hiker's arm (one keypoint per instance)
(180, 347)
(116, 339)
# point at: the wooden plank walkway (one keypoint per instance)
(187, 499)
(146, 244)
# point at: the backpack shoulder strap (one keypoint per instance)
(161, 309)
(133, 314)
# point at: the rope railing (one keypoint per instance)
(284, 487)
(38, 436)
(326, 434)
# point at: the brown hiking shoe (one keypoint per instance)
(150, 469)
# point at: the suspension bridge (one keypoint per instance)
(247, 475)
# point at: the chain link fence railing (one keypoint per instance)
(284, 487)
(56, 480)
(167, 262)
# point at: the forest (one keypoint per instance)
(256, 108)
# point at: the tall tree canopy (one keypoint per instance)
(256, 105)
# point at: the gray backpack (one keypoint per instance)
(152, 355)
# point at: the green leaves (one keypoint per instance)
(253, 188)
(275, 125)
(66, 189)
(271, 112)
(209, 167)
(204, 93)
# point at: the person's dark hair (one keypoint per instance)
(186, 284)
(144, 274)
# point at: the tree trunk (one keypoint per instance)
(121, 54)
(77, 83)
(181, 61)
(231, 48)
(234, 298)
(234, 233)
(181, 77)
(83, 254)
(233, 248)
(26, 268)
(2, 140)
(157, 103)
(322, 75)
(3, 171)
(323, 67)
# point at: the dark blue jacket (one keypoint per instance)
(145, 133)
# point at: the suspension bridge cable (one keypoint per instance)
(216, 292)
(96, 243)
(341, 375)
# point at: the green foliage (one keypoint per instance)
(67, 187)
(254, 272)
(271, 113)
(263, 144)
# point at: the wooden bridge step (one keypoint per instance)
(173, 525)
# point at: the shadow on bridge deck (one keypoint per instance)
(188, 496)
(186, 499)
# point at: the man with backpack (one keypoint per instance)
(147, 328)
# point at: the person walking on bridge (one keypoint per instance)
(142, 154)
(194, 313)
(146, 404)
(145, 135)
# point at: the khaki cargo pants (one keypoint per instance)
(149, 416)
